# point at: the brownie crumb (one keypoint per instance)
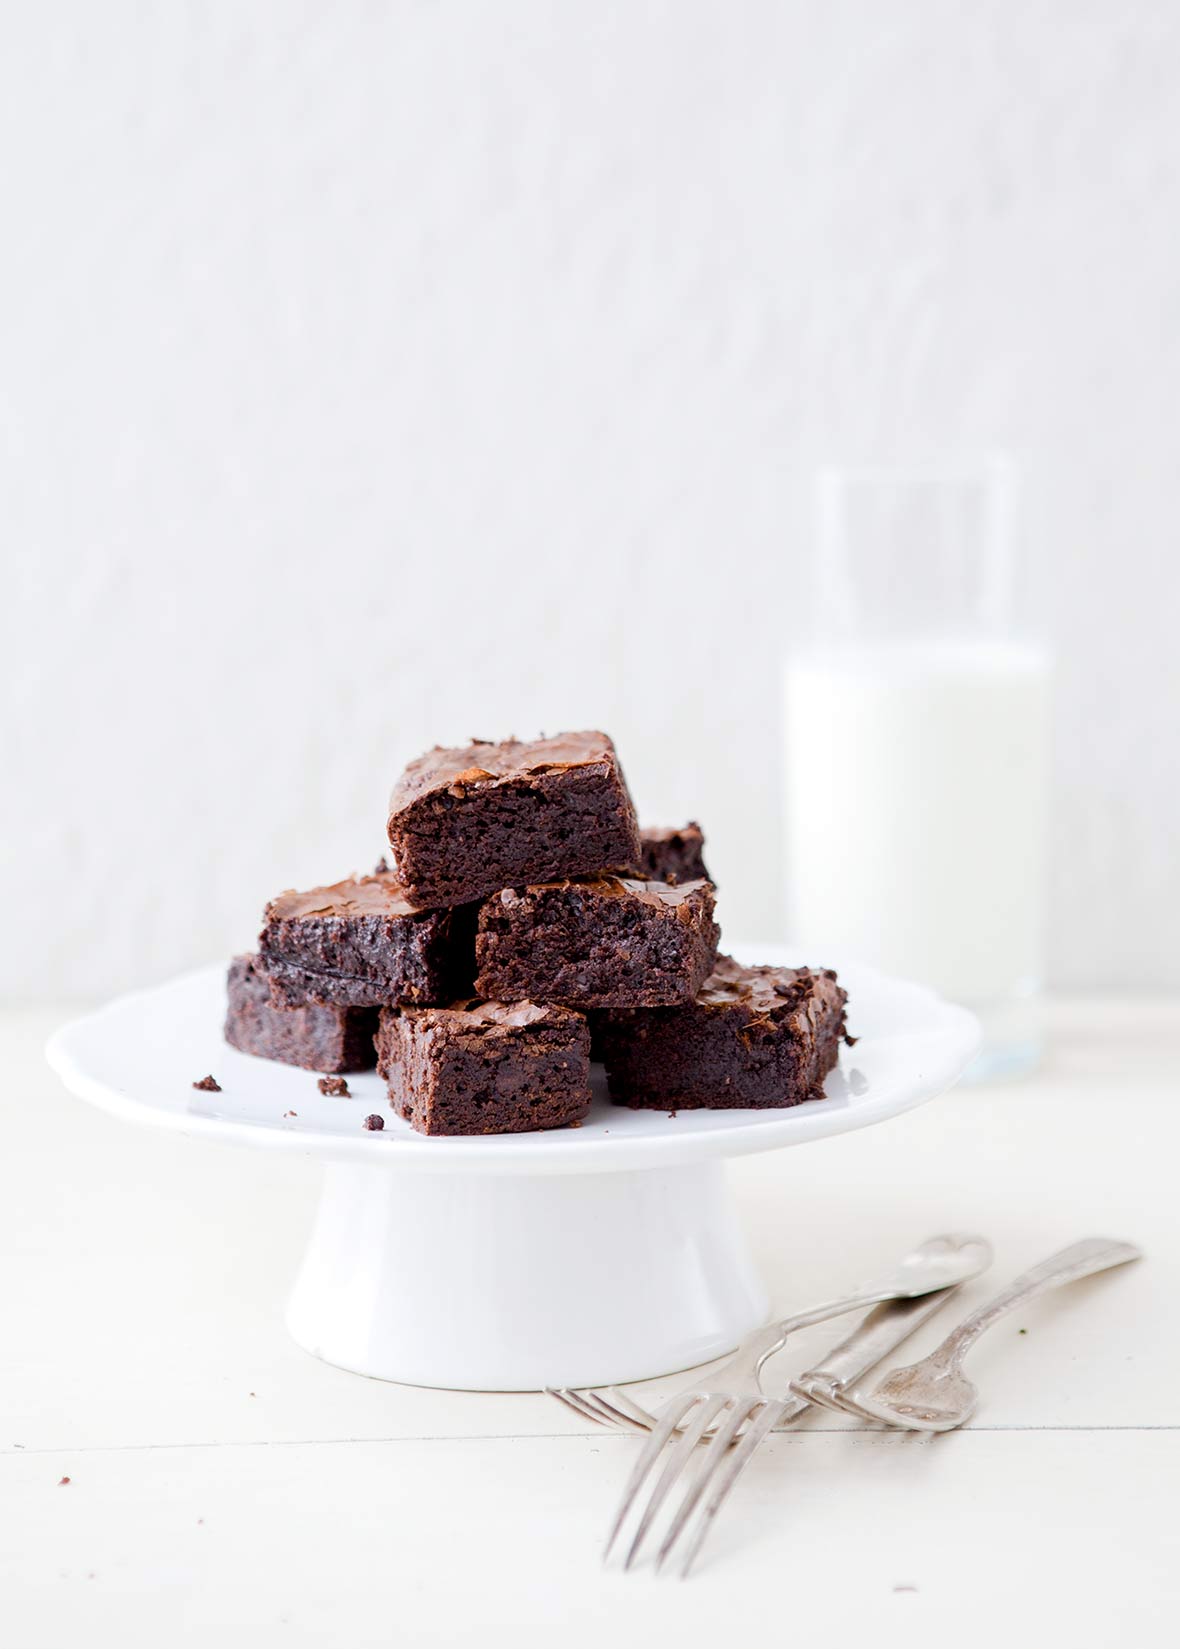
(374, 1123)
(334, 1085)
(62, 1482)
(208, 1085)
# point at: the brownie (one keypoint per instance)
(318, 1038)
(485, 1067)
(597, 942)
(674, 855)
(753, 1037)
(463, 823)
(363, 944)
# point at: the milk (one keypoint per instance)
(916, 798)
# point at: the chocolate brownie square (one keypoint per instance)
(598, 942)
(318, 1038)
(674, 855)
(485, 1067)
(363, 944)
(754, 1037)
(465, 822)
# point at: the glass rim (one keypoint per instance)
(977, 488)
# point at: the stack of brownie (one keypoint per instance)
(525, 919)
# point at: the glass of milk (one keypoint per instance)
(917, 747)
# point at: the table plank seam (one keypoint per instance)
(18, 1451)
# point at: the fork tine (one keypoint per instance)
(674, 1466)
(620, 1400)
(719, 1446)
(820, 1394)
(727, 1475)
(669, 1420)
(621, 1418)
(886, 1415)
(566, 1399)
(575, 1401)
(843, 1400)
(604, 1413)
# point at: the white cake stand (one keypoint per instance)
(584, 1256)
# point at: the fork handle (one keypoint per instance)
(1080, 1259)
(763, 1345)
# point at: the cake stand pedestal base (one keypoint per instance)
(505, 1282)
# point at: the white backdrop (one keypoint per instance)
(373, 375)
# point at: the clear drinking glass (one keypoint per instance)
(917, 746)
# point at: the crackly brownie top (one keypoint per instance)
(618, 887)
(377, 895)
(482, 762)
(483, 1017)
(768, 992)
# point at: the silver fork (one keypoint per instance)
(878, 1334)
(614, 1408)
(932, 1395)
(935, 1394)
(733, 1397)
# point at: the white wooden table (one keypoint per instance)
(226, 1489)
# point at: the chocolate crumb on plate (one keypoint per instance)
(333, 1085)
(208, 1085)
(374, 1123)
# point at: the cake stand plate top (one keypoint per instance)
(139, 1056)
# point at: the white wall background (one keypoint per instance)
(373, 375)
